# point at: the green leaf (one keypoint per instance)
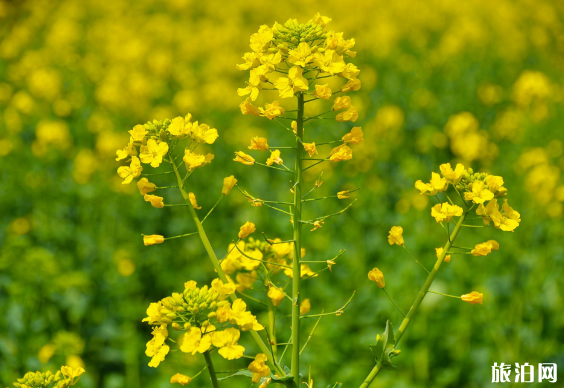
(385, 348)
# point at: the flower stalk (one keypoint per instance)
(211, 370)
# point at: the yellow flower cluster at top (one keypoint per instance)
(63, 378)
(289, 58)
(151, 143)
(476, 189)
(199, 313)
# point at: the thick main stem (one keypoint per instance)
(419, 298)
(296, 268)
(211, 369)
(216, 264)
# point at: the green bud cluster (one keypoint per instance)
(292, 33)
(42, 380)
(469, 177)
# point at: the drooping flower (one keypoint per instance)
(153, 239)
(276, 295)
(145, 186)
(341, 102)
(226, 341)
(247, 228)
(193, 160)
(258, 368)
(155, 200)
(180, 379)
(156, 347)
(193, 201)
(485, 248)
(242, 157)
(340, 153)
(473, 297)
(396, 236)
(259, 144)
(131, 171)
(377, 276)
(310, 148)
(351, 85)
(247, 108)
(153, 152)
(274, 158)
(228, 184)
(317, 225)
(271, 111)
(305, 306)
(355, 136)
(349, 115)
(202, 133)
(129, 150)
(344, 194)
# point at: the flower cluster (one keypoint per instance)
(63, 378)
(199, 312)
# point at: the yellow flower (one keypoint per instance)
(145, 186)
(294, 126)
(355, 136)
(271, 111)
(452, 176)
(131, 171)
(437, 184)
(445, 212)
(193, 160)
(261, 39)
(439, 252)
(329, 62)
(350, 72)
(223, 289)
(396, 236)
(247, 228)
(274, 158)
(228, 184)
(301, 56)
(495, 185)
(479, 193)
(237, 314)
(295, 82)
(506, 220)
(340, 153)
(321, 20)
(153, 239)
(247, 108)
(310, 148)
(202, 133)
(156, 347)
(193, 202)
(484, 248)
(258, 368)
(153, 152)
(377, 276)
(349, 115)
(226, 341)
(242, 157)
(473, 297)
(275, 294)
(129, 150)
(138, 133)
(254, 84)
(180, 379)
(305, 307)
(245, 280)
(343, 194)
(179, 126)
(322, 91)
(317, 225)
(341, 103)
(156, 201)
(72, 373)
(194, 342)
(259, 143)
(352, 85)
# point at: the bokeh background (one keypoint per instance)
(476, 82)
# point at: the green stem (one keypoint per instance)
(217, 266)
(296, 270)
(211, 369)
(420, 297)
(272, 329)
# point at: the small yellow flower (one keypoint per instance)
(179, 126)
(349, 115)
(340, 103)
(242, 157)
(274, 158)
(202, 133)
(156, 201)
(317, 225)
(295, 82)
(180, 379)
(131, 171)
(355, 136)
(72, 373)
(473, 297)
(294, 126)
(156, 348)
(344, 194)
(193, 160)
(247, 108)
(396, 236)
(271, 111)
(352, 85)
(479, 193)
(439, 252)
(138, 133)
(301, 56)
(145, 186)
(484, 249)
(310, 148)
(258, 368)
(437, 184)
(445, 212)
(153, 239)
(275, 294)
(153, 152)
(305, 307)
(193, 201)
(259, 144)
(495, 185)
(226, 341)
(340, 153)
(247, 228)
(322, 91)
(228, 184)
(377, 276)
(194, 342)
(452, 176)
(129, 150)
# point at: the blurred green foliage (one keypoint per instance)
(75, 279)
